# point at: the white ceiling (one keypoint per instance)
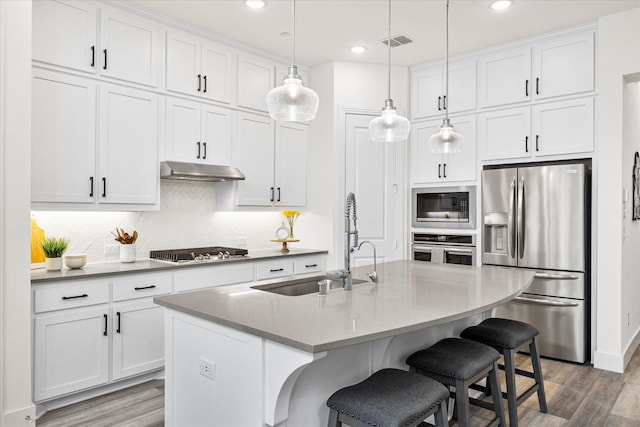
(326, 29)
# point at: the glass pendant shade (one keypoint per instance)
(389, 127)
(447, 140)
(292, 102)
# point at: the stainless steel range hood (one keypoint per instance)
(198, 172)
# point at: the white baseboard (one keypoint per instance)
(22, 417)
(608, 361)
(631, 348)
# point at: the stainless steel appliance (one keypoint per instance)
(444, 248)
(194, 255)
(443, 207)
(538, 217)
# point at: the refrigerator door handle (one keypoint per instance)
(521, 218)
(555, 276)
(511, 231)
(546, 302)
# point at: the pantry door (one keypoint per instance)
(373, 172)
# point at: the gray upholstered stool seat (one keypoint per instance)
(389, 398)
(461, 363)
(506, 336)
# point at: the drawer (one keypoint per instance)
(271, 269)
(191, 278)
(141, 285)
(308, 264)
(78, 294)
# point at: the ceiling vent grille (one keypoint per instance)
(398, 40)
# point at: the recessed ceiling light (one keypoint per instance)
(255, 4)
(358, 50)
(500, 4)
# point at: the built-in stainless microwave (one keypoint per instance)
(443, 207)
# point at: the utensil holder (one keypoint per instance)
(128, 253)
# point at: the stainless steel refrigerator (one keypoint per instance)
(538, 217)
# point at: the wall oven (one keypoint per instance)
(443, 207)
(444, 248)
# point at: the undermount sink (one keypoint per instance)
(305, 286)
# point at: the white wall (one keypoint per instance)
(15, 155)
(618, 55)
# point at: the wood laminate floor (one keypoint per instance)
(577, 396)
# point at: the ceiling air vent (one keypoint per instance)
(398, 40)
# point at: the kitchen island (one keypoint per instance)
(236, 356)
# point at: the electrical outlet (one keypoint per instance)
(111, 249)
(208, 369)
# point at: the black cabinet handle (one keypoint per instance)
(104, 187)
(537, 136)
(93, 56)
(526, 144)
(275, 270)
(145, 287)
(444, 102)
(439, 174)
(91, 190)
(278, 194)
(106, 319)
(204, 145)
(439, 105)
(537, 86)
(118, 327)
(75, 296)
(526, 88)
(444, 170)
(272, 194)
(205, 84)
(199, 82)
(104, 67)
(310, 265)
(198, 156)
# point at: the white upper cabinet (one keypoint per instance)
(428, 167)
(255, 80)
(505, 134)
(130, 47)
(428, 87)
(197, 132)
(291, 164)
(65, 35)
(200, 67)
(505, 77)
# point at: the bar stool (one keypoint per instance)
(389, 398)
(461, 363)
(507, 336)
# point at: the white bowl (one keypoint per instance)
(75, 261)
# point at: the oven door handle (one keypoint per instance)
(546, 302)
(457, 251)
(422, 248)
(555, 276)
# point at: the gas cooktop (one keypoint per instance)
(211, 253)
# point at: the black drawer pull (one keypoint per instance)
(104, 187)
(444, 170)
(199, 82)
(75, 296)
(526, 88)
(145, 287)
(444, 102)
(118, 327)
(105, 59)
(106, 320)
(93, 56)
(278, 194)
(311, 265)
(439, 173)
(271, 194)
(439, 105)
(537, 86)
(205, 84)
(198, 156)
(204, 146)
(91, 191)
(275, 270)
(537, 137)
(526, 144)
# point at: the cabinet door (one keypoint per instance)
(425, 166)
(505, 77)
(128, 146)
(138, 338)
(183, 130)
(505, 134)
(64, 34)
(291, 164)
(255, 80)
(63, 135)
(216, 134)
(564, 66)
(129, 47)
(183, 63)
(255, 160)
(218, 72)
(462, 87)
(462, 166)
(426, 92)
(71, 352)
(563, 127)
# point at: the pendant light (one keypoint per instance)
(389, 127)
(292, 102)
(447, 140)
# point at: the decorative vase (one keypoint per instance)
(282, 232)
(128, 253)
(53, 264)
(291, 232)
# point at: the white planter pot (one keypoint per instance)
(53, 264)
(128, 253)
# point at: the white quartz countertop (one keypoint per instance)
(409, 296)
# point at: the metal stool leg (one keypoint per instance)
(510, 377)
(537, 373)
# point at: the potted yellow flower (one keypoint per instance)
(291, 217)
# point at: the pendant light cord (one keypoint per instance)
(389, 55)
(446, 70)
(293, 42)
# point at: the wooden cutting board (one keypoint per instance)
(37, 236)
